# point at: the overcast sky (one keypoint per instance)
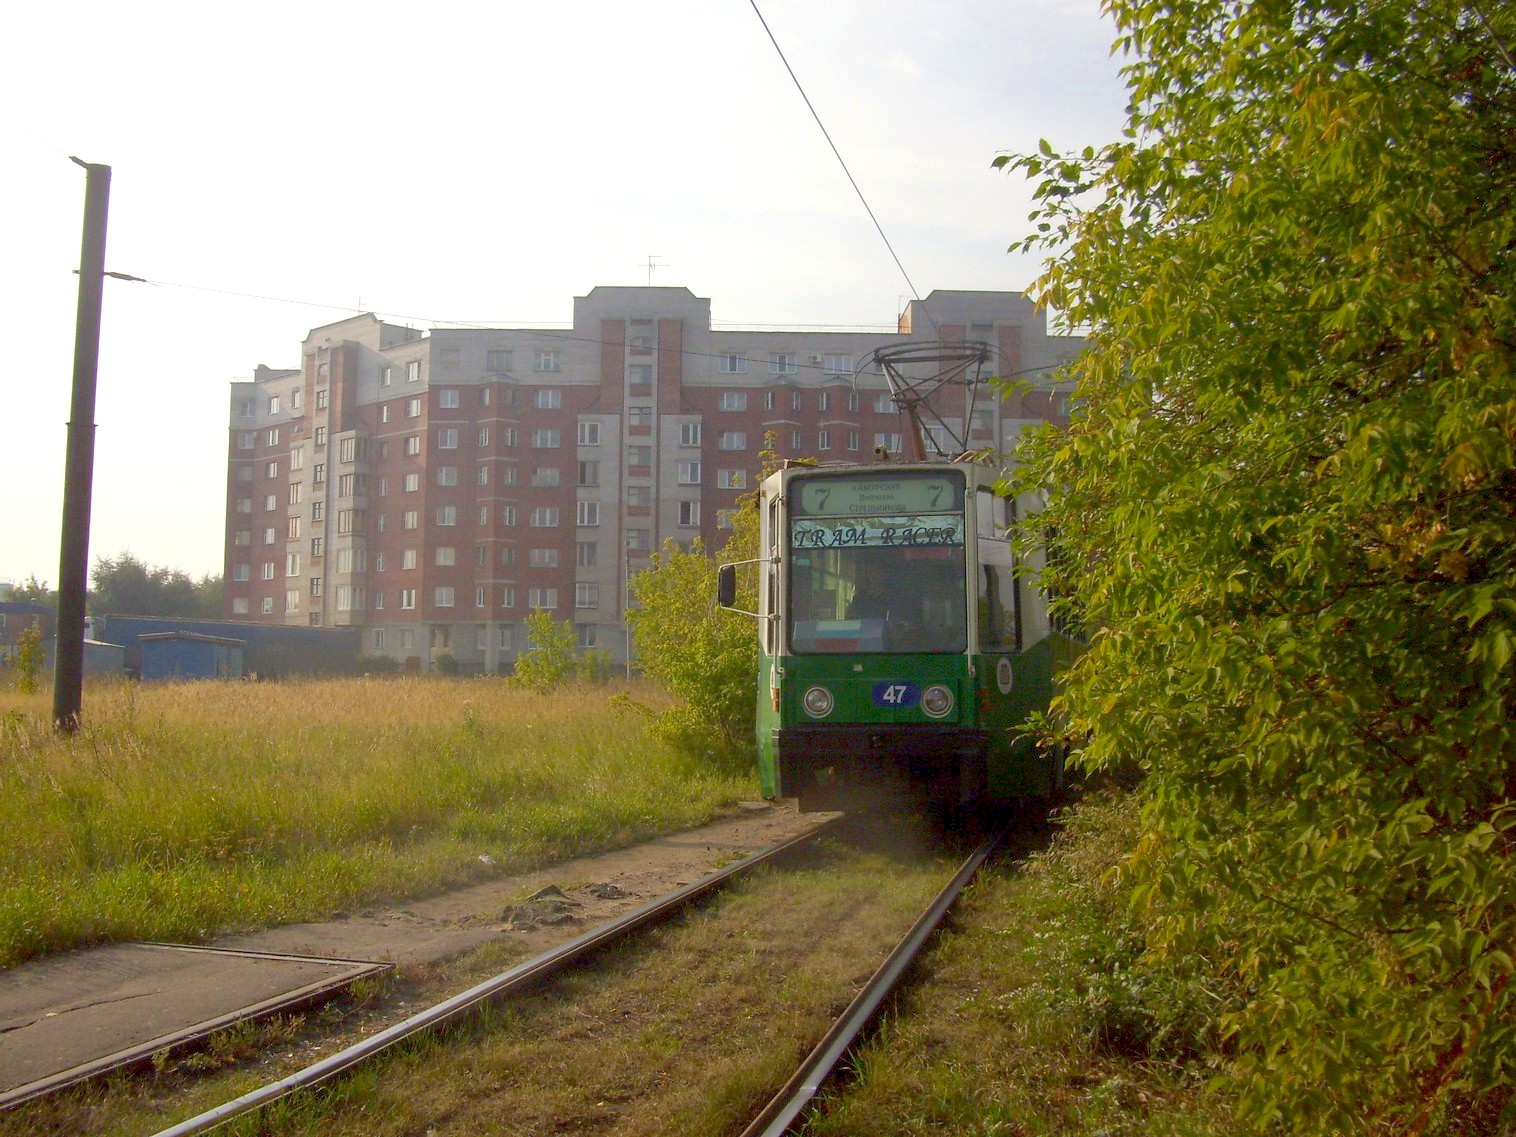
(482, 164)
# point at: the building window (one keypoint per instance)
(586, 635)
(321, 399)
(546, 439)
(543, 558)
(545, 517)
(852, 440)
(640, 374)
(270, 503)
(587, 513)
(294, 494)
(242, 538)
(352, 560)
(244, 505)
(320, 436)
(538, 598)
(412, 408)
(852, 401)
(586, 595)
(497, 361)
(689, 513)
(482, 476)
(641, 417)
(508, 515)
(273, 436)
(481, 600)
(639, 455)
(292, 529)
(315, 586)
(447, 515)
(732, 363)
(266, 570)
(292, 564)
(413, 371)
(639, 497)
(447, 438)
(689, 434)
(888, 442)
(585, 553)
(407, 598)
(689, 473)
(639, 540)
(352, 520)
(446, 555)
(270, 535)
(547, 361)
(731, 479)
(589, 434)
(447, 398)
(266, 606)
(770, 400)
(884, 403)
(447, 475)
(640, 344)
(732, 440)
(242, 572)
(589, 473)
(408, 558)
(824, 401)
(507, 600)
(837, 364)
(443, 596)
(410, 519)
(824, 440)
(246, 440)
(545, 476)
(734, 400)
(386, 376)
(318, 473)
(481, 555)
(271, 470)
(292, 600)
(547, 398)
(795, 441)
(782, 363)
(317, 546)
(378, 638)
(239, 606)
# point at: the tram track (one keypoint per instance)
(774, 1118)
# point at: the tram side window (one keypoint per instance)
(999, 616)
(771, 600)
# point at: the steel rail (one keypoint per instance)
(782, 1111)
(522, 975)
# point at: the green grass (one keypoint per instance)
(184, 810)
(1033, 1016)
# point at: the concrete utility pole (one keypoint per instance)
(79, 465)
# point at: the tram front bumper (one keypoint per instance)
(836, 764)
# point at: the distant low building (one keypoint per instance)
(190, 655)
(18, 615)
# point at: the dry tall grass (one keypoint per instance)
(181, 810)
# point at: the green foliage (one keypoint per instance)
(34, 591)
(551, 661)
(1288, 513)
(126, 586)
(27, 661)
(376, 664)
(705, 656)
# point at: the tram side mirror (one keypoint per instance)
(726, 585)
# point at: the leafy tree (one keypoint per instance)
(550, 662)
(34, 591)
(1287, 505)
(124, 585)
(27, 661)
(705, 656)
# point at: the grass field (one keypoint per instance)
(184, 810)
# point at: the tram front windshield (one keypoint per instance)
(890, 582)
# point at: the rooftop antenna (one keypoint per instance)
(652, 263)
(916, 372)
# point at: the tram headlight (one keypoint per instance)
(818, 702)
(937, 701)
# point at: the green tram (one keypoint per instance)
(899, 647)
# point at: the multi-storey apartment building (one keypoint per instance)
(435, 488)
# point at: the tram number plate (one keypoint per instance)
(894, 694)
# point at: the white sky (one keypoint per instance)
(483, 164)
